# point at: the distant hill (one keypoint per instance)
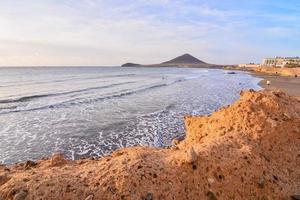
(130, 65)
(185, 60)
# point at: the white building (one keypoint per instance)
(280, 61)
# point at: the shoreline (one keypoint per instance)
(238, 145)
(284, 79)
(234, 153)
(287, 84)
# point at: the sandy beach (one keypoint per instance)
(288, 84)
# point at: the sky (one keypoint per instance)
(113, 32)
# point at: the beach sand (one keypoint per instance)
(288, 84)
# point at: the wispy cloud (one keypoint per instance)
(98, 32)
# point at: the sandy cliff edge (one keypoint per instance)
(248, 150)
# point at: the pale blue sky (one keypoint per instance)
(111, 32)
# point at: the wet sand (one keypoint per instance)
(288, 84)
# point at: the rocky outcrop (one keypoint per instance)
(248, 150)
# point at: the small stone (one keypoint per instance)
(211, 195)
(175, 142)
(272, 122)
(149, 196)
(194, 166)
(57, 160)
(261, 182)
(276, 93)
(295, 197)
(21, 195)
(26, 179)
(211, 180)
(90, 197)
(287, 115)
(191, 155)
(29, 164)
(221, 177)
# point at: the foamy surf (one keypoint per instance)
(93, 111)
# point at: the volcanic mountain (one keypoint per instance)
(185, 60)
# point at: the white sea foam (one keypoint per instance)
(93, 111)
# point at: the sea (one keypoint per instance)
(91, 111)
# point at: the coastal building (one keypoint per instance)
(280, 61)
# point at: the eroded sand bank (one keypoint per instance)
(249, 150)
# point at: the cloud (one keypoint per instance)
(99, 32)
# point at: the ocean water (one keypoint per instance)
(91, 111)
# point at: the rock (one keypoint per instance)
(231, 73)
(211, 180)
(287, 116)
(29, 164)
(90, 197)
(175, 142)
(191, 155)
(149, 196)
(261, 182)
(57, 160)
(21, 195)
(26, 179)
(6, 169)
(272, 122)
(295, 197)
(211, 195)
(3, 179)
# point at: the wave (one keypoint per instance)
(80, 101)
(159, 112)
(28, 98)
(65, 80)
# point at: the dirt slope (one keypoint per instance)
(249, 150)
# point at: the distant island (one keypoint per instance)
(130, 65)
(185, 60)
